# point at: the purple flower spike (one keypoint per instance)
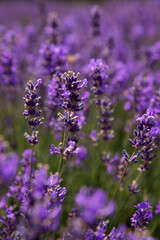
(143, 140)
(31, 112)
(142, 215)
(94, 136)
(98, 73)
(54, 150)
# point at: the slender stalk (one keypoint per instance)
(119, 211)
(100, 110)
(31, 160)
(120, 180)
(32, 148)
(139, 174)
(118, 214)
(63, 144)
(123, 174)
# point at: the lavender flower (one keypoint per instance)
(142, 215)
(52, 32)
(98, 74)
(139, 94)
(52, 60)
(144, 140)
(133, 188)
(94, 137)
(153, 55)
(116, 235)
(100, 230)
(96, 32)
(72, 102)
(53, 96)
(31, 112)
(8, 163)
(100, 205)
(71, 91)
(106, 119)
(20, 185)
(8, 68)
(8, 167)
(99, 234)
(95, 20)
(40, 200)
(81, 154)
(9, 224)
(157, 211)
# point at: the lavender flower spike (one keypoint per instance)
(144, 140)
(31, 112)
(142, 215)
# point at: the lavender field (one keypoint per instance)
(80, 120)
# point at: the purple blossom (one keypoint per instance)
(71, 91)
(116, 235)
(52, 32)
(81, 154)
(105, 119)
(8, 68)
(95, 20)
(99, 234)
(8, 167)
(94, 136)
(98, 74)
(31, 112)
(157, 211)
(54, 150)
(44, 202)
(100, 206)
(139, 94)
(133, 188)
(27, 157)
(142, 215)
(143, 139)
(52, 60)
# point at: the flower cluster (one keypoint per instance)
(8, 69)
(38, 201)
(83, 219)
(100, 206)
(95, 20)
(8, 163)
(31, 112)
(106, 119)
(71, 102)
(116, 48)
(52, 60)
(98, 75)
(44, 201)
(52, 29)
(144, 141)
(142, 215)
(139, 94)
(71, 92)
(99, 233)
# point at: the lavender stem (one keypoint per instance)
(123, 174)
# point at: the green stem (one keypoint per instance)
(120, 180)
(32, 148)
(31, 160)
(123, 174)
(63, 144)
(119, 213)
(139, 174)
